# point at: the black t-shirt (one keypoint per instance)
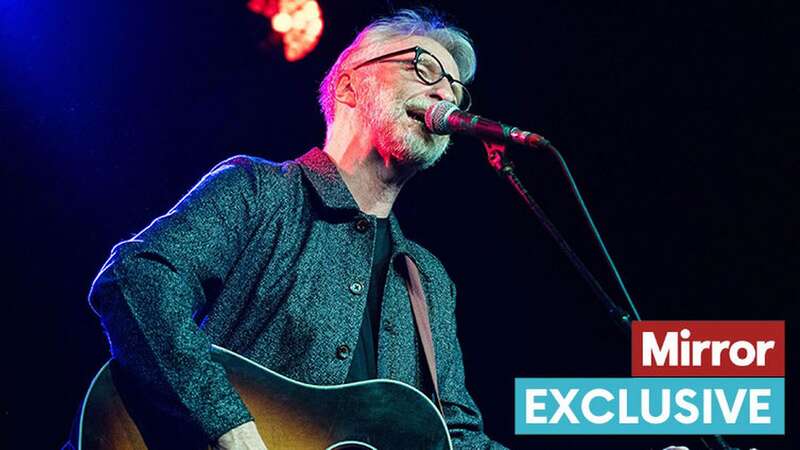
(365, 357)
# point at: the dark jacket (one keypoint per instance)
(271, 261)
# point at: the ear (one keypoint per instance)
(344, 89)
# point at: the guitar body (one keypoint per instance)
(381, 414)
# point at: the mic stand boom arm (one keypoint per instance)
(504, 167)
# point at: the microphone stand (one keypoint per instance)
(502, 164)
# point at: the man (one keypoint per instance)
(296, 265)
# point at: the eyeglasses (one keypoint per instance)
(430, 71)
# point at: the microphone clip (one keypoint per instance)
(496, 152)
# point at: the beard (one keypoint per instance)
(395, 134)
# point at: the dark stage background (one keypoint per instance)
(680, 121)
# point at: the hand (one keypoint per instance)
(243, 437)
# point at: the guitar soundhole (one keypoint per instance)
(351, 445)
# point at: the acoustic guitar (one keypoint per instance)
(374, 414)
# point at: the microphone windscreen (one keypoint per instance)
(436, 116)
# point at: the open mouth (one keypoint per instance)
(417, 115)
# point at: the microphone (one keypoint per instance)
(444, 117)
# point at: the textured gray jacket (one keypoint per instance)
(273, 262)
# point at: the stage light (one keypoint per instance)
(299, 24)
(266, 8)
(282, 22)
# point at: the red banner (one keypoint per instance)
(700, 348)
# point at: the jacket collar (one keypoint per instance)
(323, 175)
(320, 170)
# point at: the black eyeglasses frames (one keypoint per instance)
(430, 71)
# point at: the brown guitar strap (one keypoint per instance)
(420, 308)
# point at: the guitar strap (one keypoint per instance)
(419, 306)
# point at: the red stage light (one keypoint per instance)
(298, 22)
(266, 8)
(281, 22)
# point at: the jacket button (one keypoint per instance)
(389, 326)
(356, 288)
(362, 225)
(343, 351)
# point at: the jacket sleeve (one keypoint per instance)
(461, 414)
(149, 289)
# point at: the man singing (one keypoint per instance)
(297, 265)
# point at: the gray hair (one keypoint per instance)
(404, 23)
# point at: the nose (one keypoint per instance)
(443, 91)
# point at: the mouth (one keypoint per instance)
(417, 115)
